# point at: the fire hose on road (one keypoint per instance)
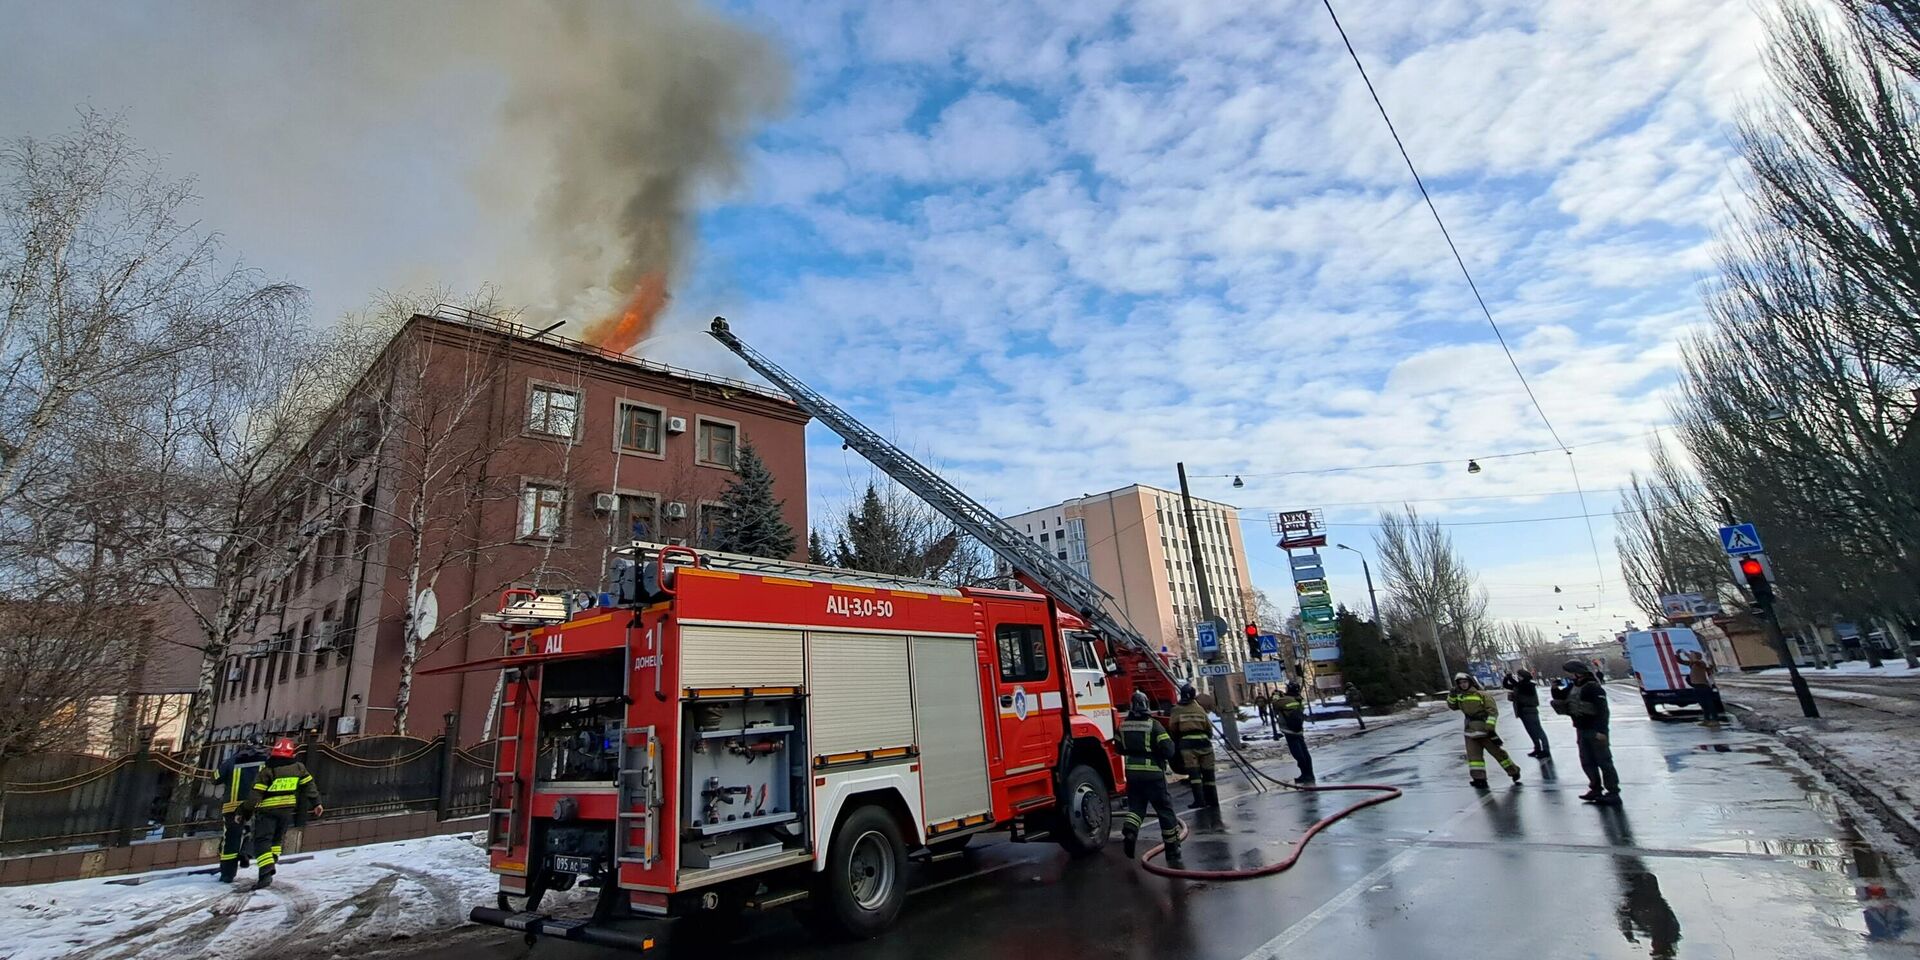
(1382, 793)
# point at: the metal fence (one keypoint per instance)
(75, 801)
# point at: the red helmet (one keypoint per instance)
(282, 748)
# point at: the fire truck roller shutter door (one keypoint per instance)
(740, 657)
(952, 737)
(862, 694)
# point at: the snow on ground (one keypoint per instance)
(339, 902)
(1894, 669)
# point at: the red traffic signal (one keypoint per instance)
(1253, 630)
(1750, 568)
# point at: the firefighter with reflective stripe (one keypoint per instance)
(281, 789)
(237, 774)
(1145, 746)
(1192, 731)
(1293, 721)
(1481, 716)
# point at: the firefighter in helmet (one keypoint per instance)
(1193, 732)
(280, 790)
(1146, 748)
(1293, 722)
(237, 774)
(1478, 710)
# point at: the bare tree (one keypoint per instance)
(57, 660)
(1427, 582)
(105, 282)
(893, 531)
(1798, 403)
(1665, 536)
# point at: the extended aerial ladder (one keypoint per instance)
(1033, 565)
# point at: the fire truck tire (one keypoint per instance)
(864, 885)
(1086, 811)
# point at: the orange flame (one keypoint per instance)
(620, 331)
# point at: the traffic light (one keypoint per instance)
(1756, 573)
(1253, 640)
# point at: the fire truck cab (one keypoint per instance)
(720, 732)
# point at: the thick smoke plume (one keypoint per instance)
(610, 121)
(637, 108)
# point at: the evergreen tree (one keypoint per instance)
(754, 524)
(818, 551)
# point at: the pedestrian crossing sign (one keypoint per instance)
(1740, 539)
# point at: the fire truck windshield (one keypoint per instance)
(580, 717)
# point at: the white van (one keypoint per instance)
(1654, 657)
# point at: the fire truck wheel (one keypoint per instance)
(864, 884)
(1087, 812)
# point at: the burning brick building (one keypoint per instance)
(475, 456)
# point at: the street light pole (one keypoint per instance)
(1368, 573)
(1217, 685)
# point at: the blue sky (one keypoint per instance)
(1055, 249)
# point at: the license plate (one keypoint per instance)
(572, 865)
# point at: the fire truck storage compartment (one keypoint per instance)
(582, 709)
(743, 796)
(953, 749)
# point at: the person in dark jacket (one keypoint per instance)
(282, 788)
(1525, 697)
(237, 774)
(1293, 720)
(1585, 701)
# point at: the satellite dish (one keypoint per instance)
(426, 614)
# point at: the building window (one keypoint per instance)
(286, 663)
(553, 411)
(638, 428)
(344, 632)
(542, 506)
(638, 516)
(1023, 652)
(713, 522)
(306, 648)
(716, 443)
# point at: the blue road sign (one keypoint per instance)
(1269, 644)
(1207, 639)
(1740, 539)
(1265, 671)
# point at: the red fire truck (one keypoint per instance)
(715, 732)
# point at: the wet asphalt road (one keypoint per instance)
(1722, 849)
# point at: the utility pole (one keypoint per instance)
(1221, 690)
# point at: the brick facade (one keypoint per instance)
(532, 431)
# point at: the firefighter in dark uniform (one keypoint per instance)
(1293, 721)
(1145, 746)
(237, 774)
(1193, 732)
(282, 787)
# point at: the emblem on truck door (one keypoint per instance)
(1020, 702)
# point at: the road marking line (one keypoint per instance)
(1305, 925)
(996, 868)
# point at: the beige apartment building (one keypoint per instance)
(1133, 543)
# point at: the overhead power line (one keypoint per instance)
(1461, 261)
(1433, 463)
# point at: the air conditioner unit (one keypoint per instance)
(676, 424)
(234, 673)
(323, 635)
(675, 510)
(605, 502)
